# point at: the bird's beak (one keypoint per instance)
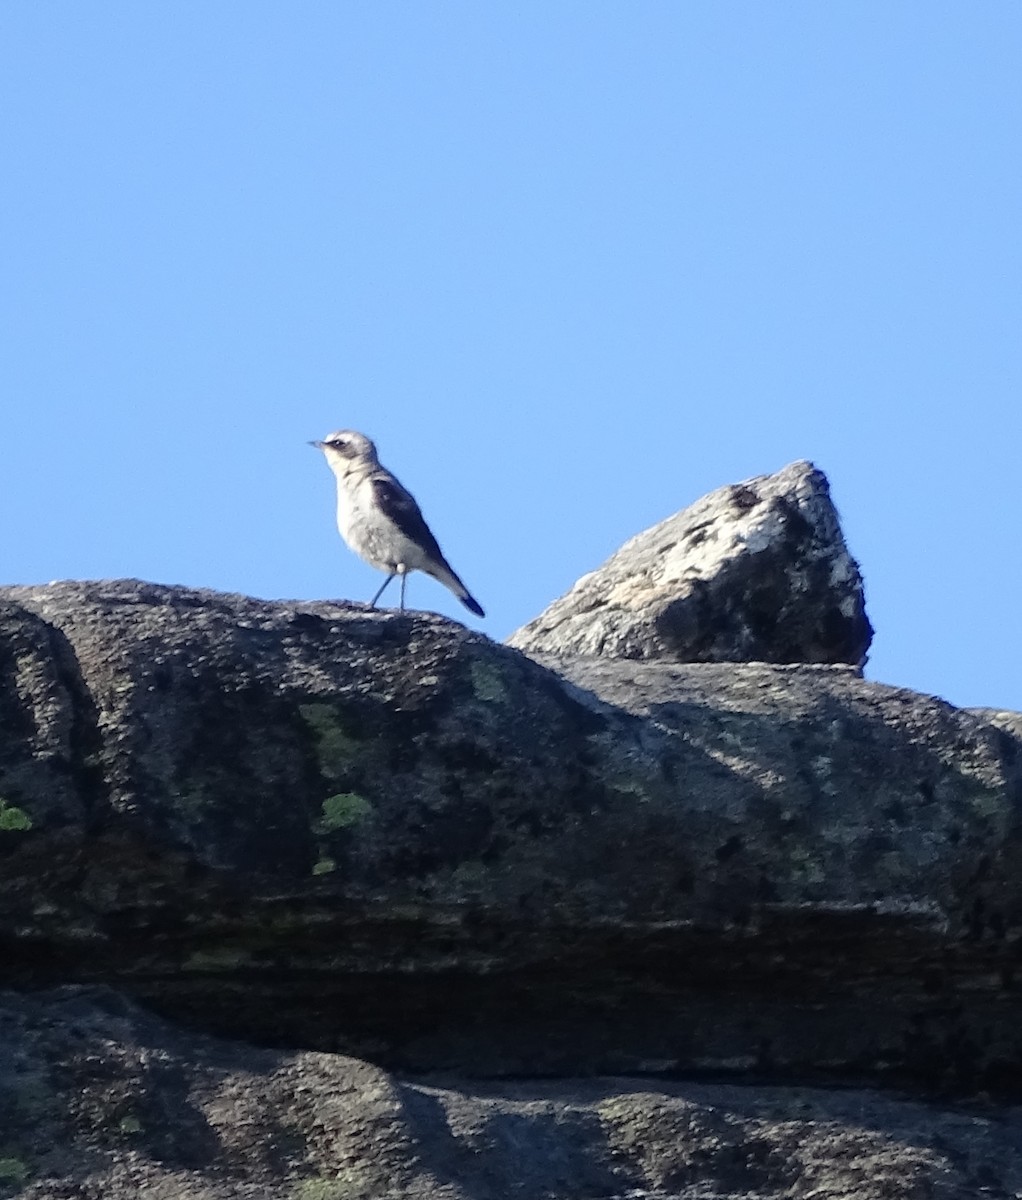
(318, 445)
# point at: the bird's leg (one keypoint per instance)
(404, 576)
(372, 603)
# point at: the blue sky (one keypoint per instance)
(571, 264)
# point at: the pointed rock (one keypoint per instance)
(753, 572)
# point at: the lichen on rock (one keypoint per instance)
(753, 572)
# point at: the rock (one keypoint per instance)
(1010, 722)
(754, 572)
(102, 1101)
(326, 826)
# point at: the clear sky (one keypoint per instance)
(571, 263)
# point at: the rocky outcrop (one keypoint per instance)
(756, 571)
(102, 1101)
(376, 832)
(431, 888)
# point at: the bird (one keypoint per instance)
(379, 519)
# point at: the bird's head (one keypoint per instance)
(345, 448)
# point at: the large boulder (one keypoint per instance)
(102, 1101)
(756, 571)
(323, 825)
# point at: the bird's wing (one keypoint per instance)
(400, 507)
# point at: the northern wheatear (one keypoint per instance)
(380, 520)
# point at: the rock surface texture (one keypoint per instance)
(102, 1101)
(380, 833)
(480, 925)
(756, 571)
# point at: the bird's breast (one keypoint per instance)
(353, 515)
(362, 526)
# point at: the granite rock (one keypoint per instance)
(755, 571)
(102, 1101)
(375, 832)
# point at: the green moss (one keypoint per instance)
(469, 874)
(13, 1171)
(629, 787)
(13, 819)
(487, 684)
(217, 958)
(343, 810)
(336, 747)
(32, 1098)
(329, 1189)
(324, 866)
(987, 803)
(805, 866)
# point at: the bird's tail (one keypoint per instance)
(442, 573)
